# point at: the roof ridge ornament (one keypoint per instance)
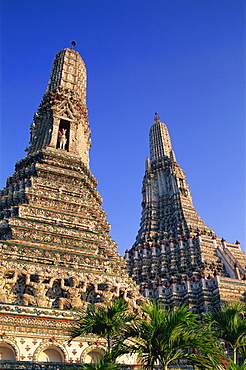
(157, 117)
(73, 44)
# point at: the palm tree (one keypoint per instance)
(104, 364)
(233, 366)
(229, 323)
(165, 335)
(106, 322)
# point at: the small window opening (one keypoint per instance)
(63, 135)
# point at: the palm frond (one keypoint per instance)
(229, 323)
(167, 335)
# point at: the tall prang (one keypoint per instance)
(63, 109)
(168, 211)
(176, 257)
(56, 253)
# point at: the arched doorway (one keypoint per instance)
(94, 356)
(7, 352)
(51, 354)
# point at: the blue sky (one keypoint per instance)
(182, 58)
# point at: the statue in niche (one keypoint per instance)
(6, 285)
(40, 288)
(73, 292)
(62, 138)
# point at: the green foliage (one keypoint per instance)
(229, 323)
(233, 366)
(104, 364)
(107, 323)
(165, 335)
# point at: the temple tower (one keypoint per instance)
(173, 246)
(63, 110)
(168, 211)
(56, 253)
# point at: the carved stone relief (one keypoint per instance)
(60, 289)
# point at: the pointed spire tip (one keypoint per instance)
(157, 118)
(73, 43)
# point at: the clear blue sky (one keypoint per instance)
(182, 58)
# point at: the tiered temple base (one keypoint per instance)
(56, 258)
(201, 271)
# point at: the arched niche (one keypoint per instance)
(7, 352)
(63, 125)
(92, 355)
(51, 354)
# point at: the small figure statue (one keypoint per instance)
(128, 296)
(6, 285)
(74, 292)
(109, 294)
(40, 289)
(134, 300)
(62, 138)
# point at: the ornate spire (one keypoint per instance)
(56, 251)
(61, 122)
(168, 211)
(173, 243)
(160, 143)
(68, 72)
